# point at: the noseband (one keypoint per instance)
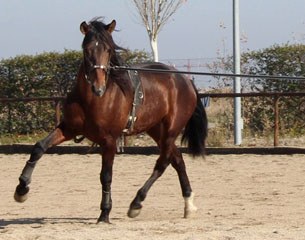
(93, 67)
(98, 91)
(102, 67)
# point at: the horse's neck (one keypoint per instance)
(124, 83)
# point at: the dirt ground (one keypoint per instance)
(238, 197)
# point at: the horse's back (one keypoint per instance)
(167, 96)
(170, 82)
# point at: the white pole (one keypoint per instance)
(236, 59)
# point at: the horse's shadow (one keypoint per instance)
(37, 222)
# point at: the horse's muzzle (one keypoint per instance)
(98, 91)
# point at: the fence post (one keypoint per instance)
(276, 120)
(57, 112)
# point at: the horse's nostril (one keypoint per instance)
(98, 91)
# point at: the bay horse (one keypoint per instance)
(99, 108)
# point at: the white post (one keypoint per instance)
(236, 59)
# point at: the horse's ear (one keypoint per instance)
(111, 26)
(84, 27)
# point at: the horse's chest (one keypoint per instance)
(97, 126)
(97, 119)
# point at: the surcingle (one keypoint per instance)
(137, 99)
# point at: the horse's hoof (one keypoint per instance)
(100, 221)
(103, 218)
(21, 193)
(188, 212)
(20, 198)
(189, 208)
(132, 213)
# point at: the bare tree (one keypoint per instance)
(154, 14)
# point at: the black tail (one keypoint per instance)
(196, 130)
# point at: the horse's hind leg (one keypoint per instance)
(136, 206)
(169, 154)
(165, 142)
(178, 163)
(160, 166)
(54, 138)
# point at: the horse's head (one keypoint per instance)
(98, 48)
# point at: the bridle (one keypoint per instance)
(92, 67)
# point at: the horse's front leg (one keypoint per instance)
(108, 152)
(54, 138)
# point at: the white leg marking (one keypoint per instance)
(189, 206)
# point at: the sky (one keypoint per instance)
(199, 29)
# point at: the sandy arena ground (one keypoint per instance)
(238, 197)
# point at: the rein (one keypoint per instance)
(126, 68)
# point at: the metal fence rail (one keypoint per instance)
(275, 95)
